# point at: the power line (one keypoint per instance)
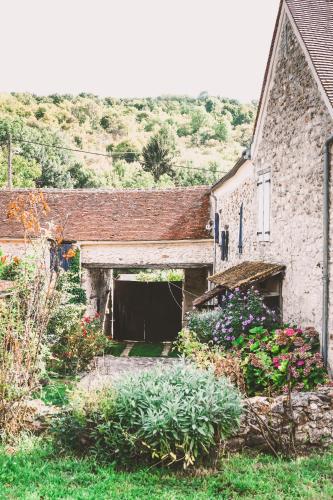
(109, 155)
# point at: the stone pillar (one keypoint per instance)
(194, 285)
(97, 284)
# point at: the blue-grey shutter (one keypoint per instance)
(216, 227)
(240, 239)
(267, 206)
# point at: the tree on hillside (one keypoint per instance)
(159, 154)
(83, 177)
(25, 173)
(127, 151)
(54, 163)
(198, 120)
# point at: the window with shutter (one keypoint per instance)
(264, 206)
(267, 205)
(260, 189)
(240, 236)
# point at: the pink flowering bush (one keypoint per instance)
(76, 342)
(274, 361)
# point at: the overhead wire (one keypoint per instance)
(107, 155)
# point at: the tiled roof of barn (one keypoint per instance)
(120, 215)
(246, 274)
(314, 22)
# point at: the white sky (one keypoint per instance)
(126, 48)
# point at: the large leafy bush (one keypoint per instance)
(175, 415)
(262, 361)
(272, 359)
(286, 358)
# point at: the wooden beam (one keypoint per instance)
(94, 265)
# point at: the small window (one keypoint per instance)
(264, 206)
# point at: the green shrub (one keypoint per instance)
(74, 340)
(175, 415)
(203, 323)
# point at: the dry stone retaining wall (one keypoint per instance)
(312, 414)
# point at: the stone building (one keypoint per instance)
(129, 229)
(272, 211)
(270, 207)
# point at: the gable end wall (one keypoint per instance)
(296, 124)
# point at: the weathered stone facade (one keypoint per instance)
(295, 126)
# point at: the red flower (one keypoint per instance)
(86, 319)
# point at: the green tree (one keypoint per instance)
(159, 154)
(127, 151)
(83, 177)
(198, 120)
(25, 172)
(221, 131)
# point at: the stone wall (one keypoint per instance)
(296, 124)
(312, 414)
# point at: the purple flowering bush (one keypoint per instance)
(240, 311)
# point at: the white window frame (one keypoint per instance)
(264, 206)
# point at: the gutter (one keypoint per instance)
(326, 227)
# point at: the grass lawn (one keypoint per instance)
(56, 392)
(116, 348)
(37, 473)
(146, 350)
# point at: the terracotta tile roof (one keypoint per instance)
(246, 274)
(314, 21)
(120, 215)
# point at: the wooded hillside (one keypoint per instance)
(165, 141)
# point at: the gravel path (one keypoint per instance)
(109, 368)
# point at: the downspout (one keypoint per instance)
(326, 227)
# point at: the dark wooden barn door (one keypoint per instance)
(150, 312)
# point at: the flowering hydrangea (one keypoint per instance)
(241, 311)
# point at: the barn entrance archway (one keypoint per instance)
(147, 311)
